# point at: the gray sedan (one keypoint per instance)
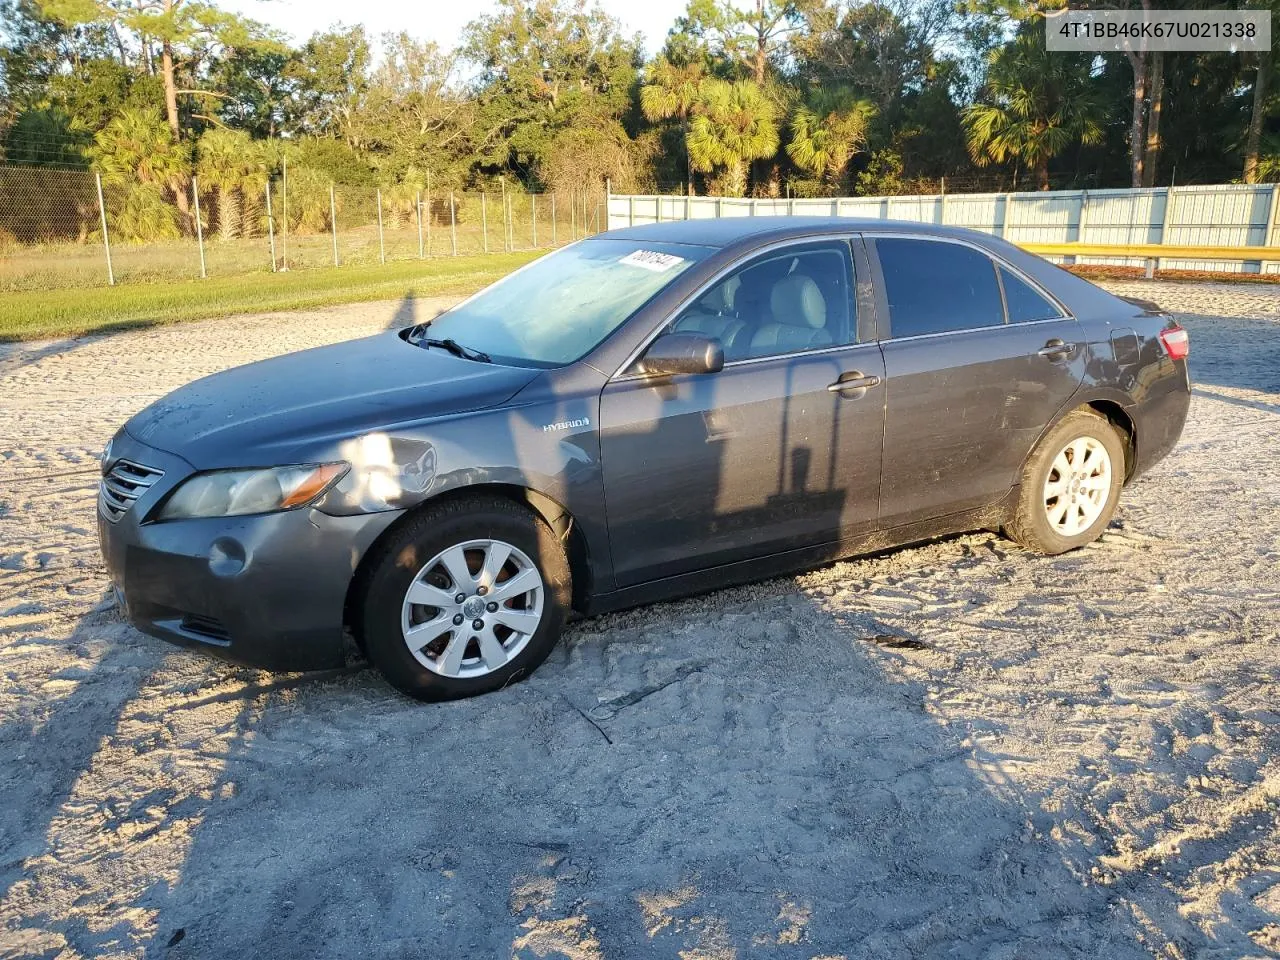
(647, 413)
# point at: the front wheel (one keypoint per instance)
(1070, 485)
(465, 598)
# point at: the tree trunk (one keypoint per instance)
(688, 160)
(1042, 172)
(761, 42)
(1152, 156)
(171, 110)
(1137, 140)
(1253, 142)
(228, 213)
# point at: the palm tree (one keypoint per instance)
(137, 153)
(228, 161)
(1039, 103)
(827, 130)
(733, 124)
(674, 92)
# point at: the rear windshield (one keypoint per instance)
(560, 307)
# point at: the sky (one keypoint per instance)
(438, 20)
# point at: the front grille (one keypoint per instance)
(123, 485)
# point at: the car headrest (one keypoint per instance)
(797, 301)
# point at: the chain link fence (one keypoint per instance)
(64, 228)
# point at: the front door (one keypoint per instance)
(977, 362)
(767, 455)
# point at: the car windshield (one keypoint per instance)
(560, 307)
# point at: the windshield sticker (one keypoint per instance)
(652, 260)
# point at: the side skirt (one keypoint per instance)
(991, 517)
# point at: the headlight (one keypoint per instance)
(234, 493)
(104, 458)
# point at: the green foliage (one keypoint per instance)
(236, 167)
(547, 66)
(141, 212)
(1036, 105)
(827, 130)
(137, 146)
(735, 123)
(878, 96)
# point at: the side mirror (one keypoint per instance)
(675, 353)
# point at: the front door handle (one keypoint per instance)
(1055, 349)
(853, 384)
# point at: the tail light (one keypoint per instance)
(1176, 342)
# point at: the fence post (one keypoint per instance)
(271, 227)
(657, 206)
(1004, 217)
(511, 222)
(484, 219)
(631, 211)
(1166, 223)
(503, 182)
(106, 242)
(573, 218)
(428, 212)
(382, 250)
(453, 223)
(284, 236)
(753, 206)
(942, 205)
(333, 223)
(553, 219)
(1084, 215)
(533, 215)
(195, 195)
(1269, 237)
(719, 207)
(418, 208)
(608, 195)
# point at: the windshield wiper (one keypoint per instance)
(457, 349)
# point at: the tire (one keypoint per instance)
(444, 650)
(1049, 524)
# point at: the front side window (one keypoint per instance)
(561, 307)
(783, 302)
(934, 286)
(1023, 301)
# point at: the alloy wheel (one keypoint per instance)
(472, 608)
(1078, 486)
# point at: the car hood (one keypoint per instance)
(288, 408)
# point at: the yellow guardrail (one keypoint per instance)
(1151, 251)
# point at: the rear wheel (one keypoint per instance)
(1070, 485)
(469, 596)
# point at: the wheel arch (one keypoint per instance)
(1120, 419)
(555, 514)
(1108, 407)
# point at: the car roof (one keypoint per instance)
(737, 236)
(734, 231)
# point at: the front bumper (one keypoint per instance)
(268, 591)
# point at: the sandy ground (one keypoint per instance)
(956, 750)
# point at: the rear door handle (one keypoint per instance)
(1055, 349)
(853, 384)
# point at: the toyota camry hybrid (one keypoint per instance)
(647, 413)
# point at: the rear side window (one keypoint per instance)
(934, 286)
(1025, 303)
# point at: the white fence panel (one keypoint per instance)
(1221, 215)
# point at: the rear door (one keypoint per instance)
(978, 359)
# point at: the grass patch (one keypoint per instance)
(35, 315)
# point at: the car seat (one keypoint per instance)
(799, 318)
